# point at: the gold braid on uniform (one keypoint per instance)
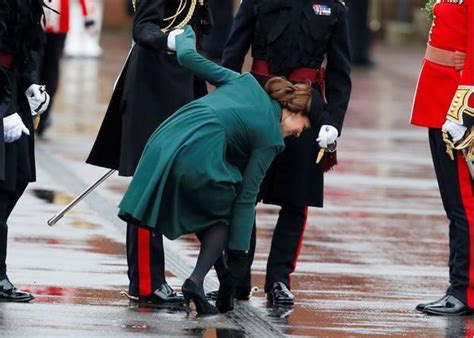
(179, 10)
(466, 144)
(460, 104)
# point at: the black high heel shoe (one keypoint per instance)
(192, 292)
(226, 295)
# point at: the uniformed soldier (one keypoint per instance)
(21, 42)
(222, 18)
(292, 39)
(57, 27)
(360, 33)
(444, 103)
(150, 88)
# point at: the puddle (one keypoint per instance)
(51, 196)
(104, 245)
(217, 333)
(74, 295)
(84, 225)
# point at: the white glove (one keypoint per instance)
(456, 131)
(13, 127)
(38, 99)
(172, 38)
(327, 135)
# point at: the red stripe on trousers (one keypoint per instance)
(466, 188)
(144, 273)
(300, 242)
(469, 329)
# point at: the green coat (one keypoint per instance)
(188, 177)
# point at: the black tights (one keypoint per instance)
(213, 242)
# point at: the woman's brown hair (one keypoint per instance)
(294, 97)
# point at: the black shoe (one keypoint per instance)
(226, 295)
(9, 293)
(191, 292)
(164, 294)
(280, 295)
(447, 306)
(420, 307)
(243, 293)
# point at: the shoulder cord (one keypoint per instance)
(180, 9)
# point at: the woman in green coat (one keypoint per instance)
(201, 169)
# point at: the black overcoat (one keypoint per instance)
(288, 35)
(22, 37)
(150, 88)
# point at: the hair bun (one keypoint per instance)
(294, 97)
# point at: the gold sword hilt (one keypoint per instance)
(320, 155)
(330, 149)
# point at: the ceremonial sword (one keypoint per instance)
(469, 160)
(53, 220)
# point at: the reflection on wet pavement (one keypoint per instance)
(51, 196)
(377, 248)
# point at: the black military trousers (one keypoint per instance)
(49, 74)
(146, 262)
(8, 200)
(286, 246)
(457, 193)
(360, 33)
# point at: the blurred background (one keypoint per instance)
(394, 20)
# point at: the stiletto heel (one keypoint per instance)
(187, 300)
(192, 292)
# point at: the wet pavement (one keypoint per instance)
(377, 248)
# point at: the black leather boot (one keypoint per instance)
(9, 293)
(226, 294)
(237, 262)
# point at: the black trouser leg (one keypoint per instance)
(286, 245)
(456, 187)
(49, 74)
(146, 261)
(3, 250)
(360, 34)
(8, 200)
(222, 17)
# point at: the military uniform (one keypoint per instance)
(151, 87)
(445, 91)
(57, 26)
(292, 39)
(360, 33)
(21, 41)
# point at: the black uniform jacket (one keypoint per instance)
(21, 36)
(150, 88)
(291, 34)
